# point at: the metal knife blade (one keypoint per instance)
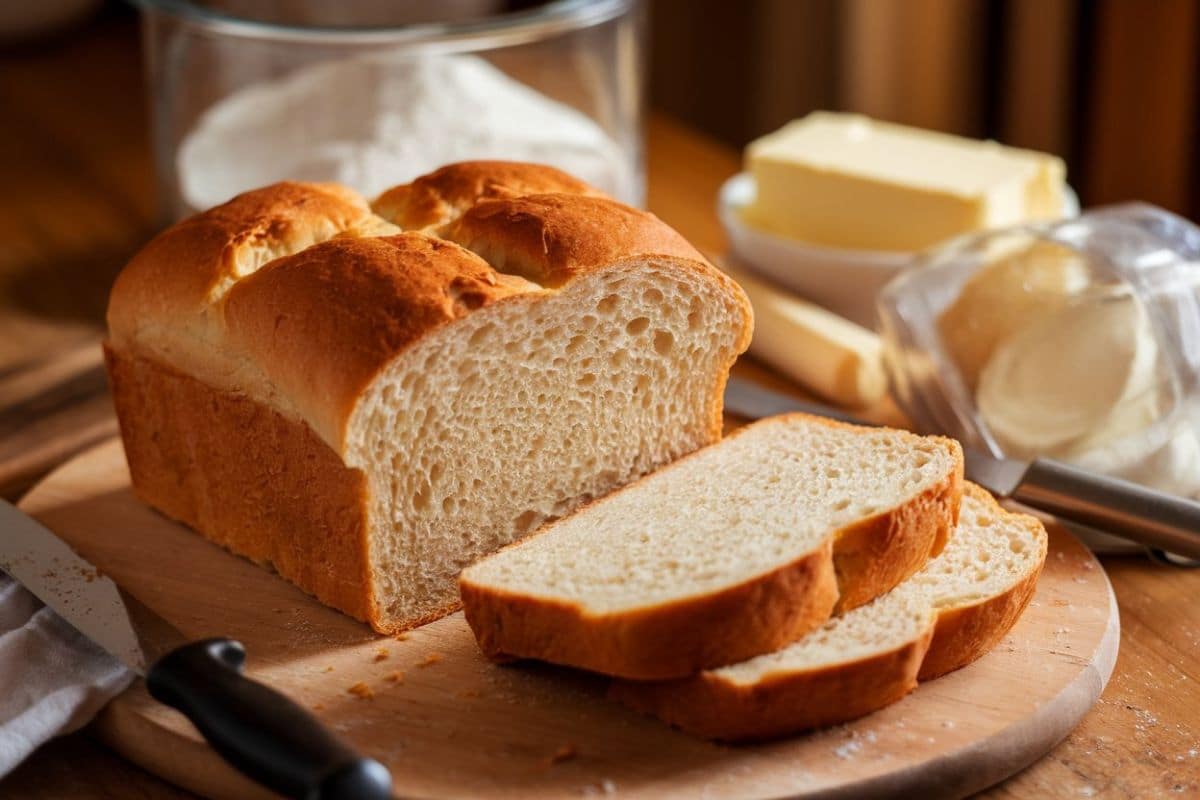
(1124, 509)
(259, 731)
(79, 593)
(751, 401)
(1000, 476)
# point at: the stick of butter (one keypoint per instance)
(832, 356)
(844, 180)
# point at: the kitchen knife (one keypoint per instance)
(256, 729)
(1160, 520)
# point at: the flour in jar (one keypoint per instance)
(375, 121)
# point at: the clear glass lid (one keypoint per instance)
(1078, 340)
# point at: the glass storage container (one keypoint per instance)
(1078, 340)
(373, 93)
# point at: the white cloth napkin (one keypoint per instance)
(53, 680)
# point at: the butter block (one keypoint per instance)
(844, 180)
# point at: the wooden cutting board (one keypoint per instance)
(450, 724)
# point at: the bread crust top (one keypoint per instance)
(551, 238)
(445, 194)
(184, 268)
(300, 294)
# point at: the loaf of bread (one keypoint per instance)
(733, 551)
(368, 399)
(947, 615)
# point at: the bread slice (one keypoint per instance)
(369, 399)
(731, 552)
(944, 617)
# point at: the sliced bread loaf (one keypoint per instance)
(369, 398)
(944, 617)
(731, 552)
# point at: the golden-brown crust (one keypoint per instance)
(264, 486)
(758, 616)
(443, 195)
(177, 273)
(965, 633)
(879, 553)
(323, 322)
(550, 238)
(712, 708)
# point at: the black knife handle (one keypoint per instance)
(258, 730)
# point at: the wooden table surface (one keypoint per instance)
(78, 198)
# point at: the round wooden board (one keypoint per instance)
(456, 725)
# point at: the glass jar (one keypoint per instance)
(1078, 340)
(373, 93)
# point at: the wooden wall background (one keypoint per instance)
(1111, 85)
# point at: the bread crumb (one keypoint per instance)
(328, 669)
(565, 752)
(395, 677)
(847, 750)
(604, 787)
(430, 659)
(401, 637)
(360, 689)
(319, 707)
(469, 693)
(381, 654)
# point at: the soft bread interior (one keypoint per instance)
(989, 553)
(884, 624)
(761, 499)
(524, 410)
